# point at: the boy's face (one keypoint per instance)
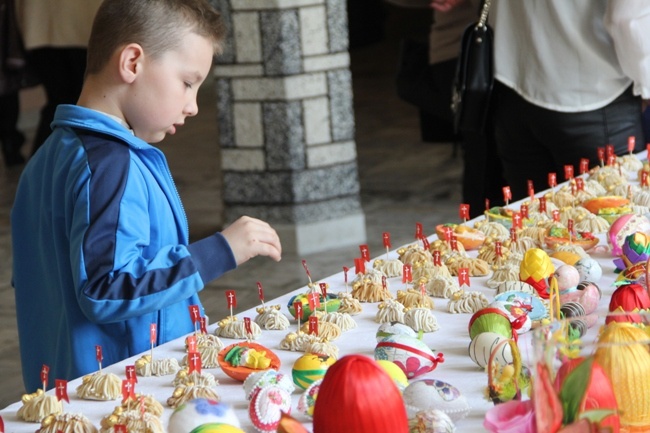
(164, 93)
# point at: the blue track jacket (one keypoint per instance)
(100, 249)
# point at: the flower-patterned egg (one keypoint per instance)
(482, 346)
(430, 394)
(309, 368)
(410, 354)
(203, 412)
(623, 226)
(307, 400)
(431, 421)
(261, 379)
(589, 269)
(266, 407)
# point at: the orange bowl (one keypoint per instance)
(594, 205)
(561, 236)
(240, 373)
(471, 238)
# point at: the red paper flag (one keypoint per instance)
(2, 425)
(194, 361)
(498, 248)
(568, 172)
(98, 353)
(584, 165)
(542, 204)
(407, 275)
(345, 274)
(552, 180)
(260, 291)
(152, 333)
(130, 373)
(463, 211)
(425, 243)
(359, 266)
(609, 151)
(231, 299)
(463, 277)
(611, 160)
(45, 374)
(437, 259)
(513, 234)
(195, 314)
(448, 232)
(419, 231)
(580, 184)
(128, 390)
(601, 154)
(297, 307)
(644, 178)
(120, 428)
(631, 143)
(314, 301)
(423, 289)
(313, 325)
(453, 243)
(61, 390)
(386, 238)
(191, 343)
(365, 252)
(647, 149)
(530, 188)
(204, 325)
(323, 289)
(569, 226)
(556, 215)
(384, 282)
(516, 220)
(523, 209)
(487, 204)
(304, 265)
(247, 325)
(507, 194)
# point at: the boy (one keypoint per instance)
(100, 237)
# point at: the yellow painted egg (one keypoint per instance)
(309, 368)
(395, 373)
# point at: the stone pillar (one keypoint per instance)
(286, 121)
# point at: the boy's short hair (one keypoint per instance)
(157, 25)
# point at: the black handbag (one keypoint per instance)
(474, 77)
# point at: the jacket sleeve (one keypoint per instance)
(627, 22)
(129, 233)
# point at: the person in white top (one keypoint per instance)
(571, 76)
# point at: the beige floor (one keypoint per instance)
(403, 181)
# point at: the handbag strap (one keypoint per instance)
(485, 10)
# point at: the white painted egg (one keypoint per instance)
(567, 277)
(410, 354)
(484, 344)
(430, 394)
(589, 269)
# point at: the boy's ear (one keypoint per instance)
(130, 62)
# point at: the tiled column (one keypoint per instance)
(286, 121)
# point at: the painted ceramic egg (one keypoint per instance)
(490, 320)
(394, 328)
(410, 354)
(203, 412)
(567, 277)
(589, 269)
(333, 303)
(307, 400)
(309, 368)
(266, 407)
(623, 226)
(482, 346)
(430, 394)
(432, 421)
(395, 373)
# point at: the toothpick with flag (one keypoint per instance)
(231, 301)
(260, 293)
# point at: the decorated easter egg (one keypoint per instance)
(216, 428)
(635, 249)
(628, 298)
(521, 322)
(333, 304)
(307, 399)
(482, 346)
(266, 407)
(394, 328)
(535, 269)
(567, 277)
(623, 226)
(589, 269)
(261, 379)
(203, 412)
(586, 294)
(410, 354)
(516, 302)
(490, 320)
(395, 373)
(309, 368)
(430, 394)
(432, 421)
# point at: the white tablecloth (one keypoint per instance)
(452, 340)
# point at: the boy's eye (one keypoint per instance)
(188, 85)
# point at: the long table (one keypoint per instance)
(452, 339)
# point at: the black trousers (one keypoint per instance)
(61, 71)
(533, 141)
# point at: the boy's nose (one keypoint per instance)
(192, 108)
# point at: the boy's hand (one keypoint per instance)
(249, 237)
